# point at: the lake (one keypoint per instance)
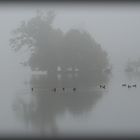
(84, 112)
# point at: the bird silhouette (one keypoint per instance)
(134, 85)
(100, 86)
(104, 86)
(129, 86)
(74, 89)
(123, 85)
(32, 89)
(54, 89)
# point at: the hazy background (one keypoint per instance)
(115, 27)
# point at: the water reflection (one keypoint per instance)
(41, 106)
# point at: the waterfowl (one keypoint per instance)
(54, 89)
(32, 89)
(100, 86)
(134, 85)
(123, 85)
(104, 86)
(74, 89)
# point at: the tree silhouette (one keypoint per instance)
(50, 48)
(82, 63)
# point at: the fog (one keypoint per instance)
(28, 101)
(115, 27)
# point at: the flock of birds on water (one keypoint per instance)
(101, 86)
(129, 86)
(54, 89)
(123, 85)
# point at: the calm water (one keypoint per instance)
(86, 111)
(110, 111)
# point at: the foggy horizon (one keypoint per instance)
(108, 31)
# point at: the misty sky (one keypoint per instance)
(115, 27)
